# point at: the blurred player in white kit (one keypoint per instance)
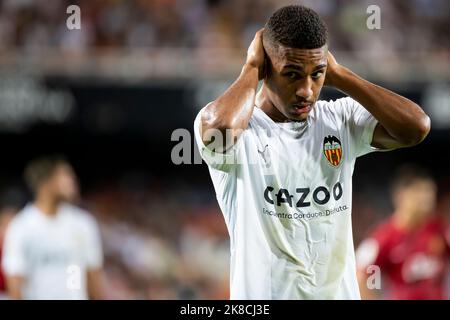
(52, 249)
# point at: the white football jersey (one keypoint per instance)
(285, 190)
(52, 253)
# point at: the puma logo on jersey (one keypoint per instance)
(264, 154)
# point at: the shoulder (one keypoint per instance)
(385, 230)
(338, 104)
(337, 109)
(23, 218)
(382, 232)
(78, 215)
(259, 117)
(437, 224)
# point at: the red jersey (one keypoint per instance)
(414, 262)
(2, 277)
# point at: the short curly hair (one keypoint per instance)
(295, 26)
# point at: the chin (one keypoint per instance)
(70, 198)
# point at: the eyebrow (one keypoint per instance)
(293, 66)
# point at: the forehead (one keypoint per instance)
(422, 183)
(63, 168)
(300, 57)
(425, 183)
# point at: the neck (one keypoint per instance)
(263, 102)
(405, 220)
(48, 205)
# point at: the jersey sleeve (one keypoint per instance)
(361, 124)
(222, 161)
(14, 256)
(94, 251)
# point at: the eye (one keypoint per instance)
(317, 74)
(292, 75)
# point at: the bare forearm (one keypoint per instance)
(366, 293)
(402, 119)
(231, 112)
(95, 284)
(14, 285)
(233, 109)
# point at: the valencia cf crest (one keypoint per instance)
(332, 149)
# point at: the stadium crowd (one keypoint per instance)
(30, 25)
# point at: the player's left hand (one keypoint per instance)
(332, 70)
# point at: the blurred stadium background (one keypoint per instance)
(110, 95)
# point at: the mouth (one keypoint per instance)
(302, 108)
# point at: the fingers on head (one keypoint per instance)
(259, 32)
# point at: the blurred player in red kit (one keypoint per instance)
(412, 247)
(6, 214)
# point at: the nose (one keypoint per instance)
(304, 89)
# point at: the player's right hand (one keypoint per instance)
(256, 54)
